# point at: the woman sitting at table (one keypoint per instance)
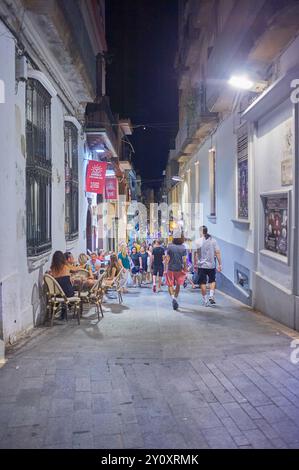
(82, 261)
(61, 272)
(112, 271)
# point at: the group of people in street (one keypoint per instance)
(174, 265)
(143, 264)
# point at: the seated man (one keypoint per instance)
(70, 261)
(93, 264)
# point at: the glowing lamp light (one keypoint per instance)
(100, 150)
(241, 81)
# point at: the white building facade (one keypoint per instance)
(43, 205)
(240, 157)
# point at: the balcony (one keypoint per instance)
(101, 126)
(190, 47)
(58, 27)
(253, 36)
(197, 124)
(188, 53)
(193, 133)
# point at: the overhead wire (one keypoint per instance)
(162, 125)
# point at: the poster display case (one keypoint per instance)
(276, 222)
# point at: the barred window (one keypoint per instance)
(38, 168)
(242, 157)
(71, 181)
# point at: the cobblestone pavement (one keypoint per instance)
(149, 377)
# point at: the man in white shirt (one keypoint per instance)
(94, 264)
(208, 253)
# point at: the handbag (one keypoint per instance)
(129, 282)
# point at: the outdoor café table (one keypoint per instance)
(80, 283)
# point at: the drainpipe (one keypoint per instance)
(295, 217)
(255, 210)
(99, 77)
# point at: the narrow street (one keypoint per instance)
(149, 377)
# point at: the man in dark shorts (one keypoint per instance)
(157, 264)
(176, 261)
(208, 252)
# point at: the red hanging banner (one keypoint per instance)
(111, 188)
(95, 177)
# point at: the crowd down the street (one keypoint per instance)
(173, 264)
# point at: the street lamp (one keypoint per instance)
(241, 81)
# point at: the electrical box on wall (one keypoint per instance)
(21, 68)
(242, 278)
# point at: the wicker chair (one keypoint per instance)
(94, 296)
(56, 298)
(116, 285)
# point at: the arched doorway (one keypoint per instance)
(88, 231)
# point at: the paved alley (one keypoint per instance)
(149, 377)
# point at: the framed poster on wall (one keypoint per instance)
(242, 173)
(276, 222)
(243, 189)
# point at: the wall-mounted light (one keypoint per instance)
(241, 81)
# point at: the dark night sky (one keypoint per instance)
(142, 38)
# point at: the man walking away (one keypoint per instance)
(208, 252)
(176, 269)
(157, 262)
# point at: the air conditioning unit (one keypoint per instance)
(21, 68)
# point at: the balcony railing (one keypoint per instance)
(99, 116)
(198, 121)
